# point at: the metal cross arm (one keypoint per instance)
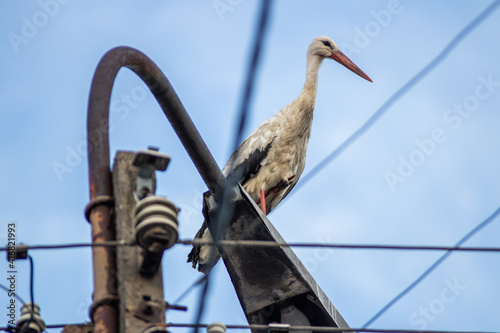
(272, 284)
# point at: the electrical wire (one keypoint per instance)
(258, 43)
(202, 301)
(227, 207)
(284, 328)
(447, 50)
(325, 329)
(258, 243)
(16, 295)
(75, 245)
(189, 289)
(254, 243)
(432, 267)
(32, 294)
(9, 329)
(397, 95)
(262, 243)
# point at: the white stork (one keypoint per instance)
(270, 161)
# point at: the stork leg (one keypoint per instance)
(263, 201)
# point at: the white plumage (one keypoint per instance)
(270, 161)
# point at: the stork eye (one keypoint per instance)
(326, 43)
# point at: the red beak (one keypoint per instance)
(346, 62)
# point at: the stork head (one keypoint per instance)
(325, 47)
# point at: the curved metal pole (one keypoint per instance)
(104, 311)
(98, 115)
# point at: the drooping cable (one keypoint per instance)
(432, 267)
(227, 207)
(189, 289)
(262, 243)
(8, 290)
(32, 294)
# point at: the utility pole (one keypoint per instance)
(141, 301)
(150, 221)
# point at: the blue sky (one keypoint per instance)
(440, 139)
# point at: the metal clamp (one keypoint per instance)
(109, 300)
(99, 200)
(148, 162)
(19, 251)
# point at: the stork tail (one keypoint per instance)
(203, 256)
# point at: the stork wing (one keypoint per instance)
(247, 159)
(250, 165)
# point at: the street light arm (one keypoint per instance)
(98, 120)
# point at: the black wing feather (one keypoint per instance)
(251, 165)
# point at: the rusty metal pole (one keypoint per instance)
(99, 211)
(104, 311)
(98, 115)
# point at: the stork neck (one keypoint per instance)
(300, 112)
(311, 84)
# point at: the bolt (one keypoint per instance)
(148, 310)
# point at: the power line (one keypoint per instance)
(252, 72)
(284, 327)
(432, 267)
(399, 94)
(254, 243)
(188, 289)
(32, 294)
(16, 295)
(258, 243)
(454, 42)
(202, 302)
(227, 208)
(74, 245)
(326, 329)
(8, 329)
(261, 243)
